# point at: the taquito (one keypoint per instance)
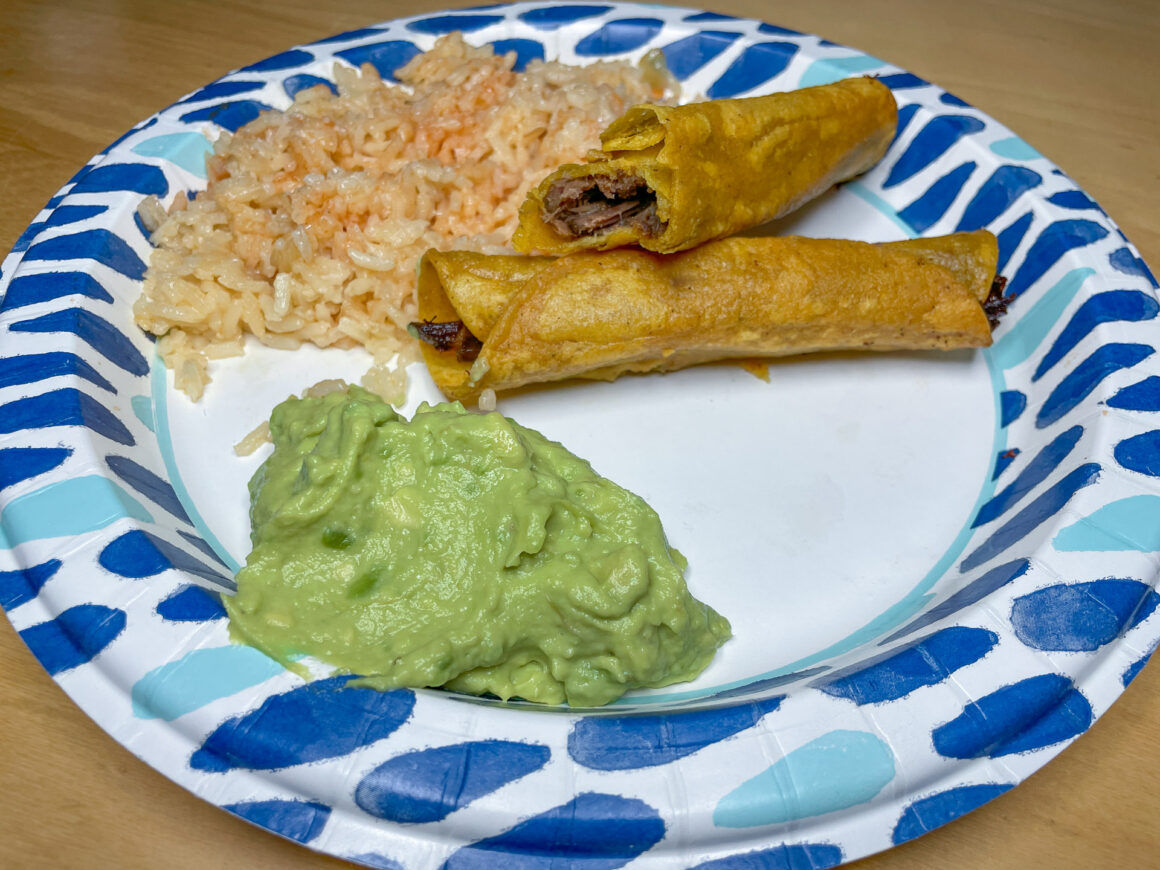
(501, 321)
(671, 177)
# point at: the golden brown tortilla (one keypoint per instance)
(602, 314)
(713, 168)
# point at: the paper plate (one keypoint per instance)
(940, 569)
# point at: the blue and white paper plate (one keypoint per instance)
(940, 568)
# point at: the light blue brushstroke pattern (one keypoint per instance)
(831, 69)
(1026, 334)
(187, 150)
(1131, 523)
(1014, 149)
(836, 771)
(68, 507)
(143, 409)
(199, 678)
(158, 385)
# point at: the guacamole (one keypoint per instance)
(463, 550)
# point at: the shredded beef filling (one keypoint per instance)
(576, 207)
(453, 335)
(995, 305)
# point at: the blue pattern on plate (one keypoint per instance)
(349, 36)
(903, 81)
(386, 57)
(292, 85)
(1034, 473)
(1140, 453)
(1041, 510)
(1050, 246)
(285, 60)
(95, 331)
(323, 719)
(1009, 239)
(1081, 617)
(72, 506)
(204, 547)
(618, 36)
(1072, 199)
(826, 70)
(298, 820)
(1052, 239)
(1088, 375)
(952, 100)
(1012, 403)
(24, 584)
(191, 604)
(427, 785)
(137, 554)
(1019, 340)
(231, 116)
(1003, 461)
(100, 246)
(1134, 669)
(555, 17)
(929, 144)
(895, 674)
(938, 809)
(72, 215)
(221, 90)
(128, 177)
(188, 150)
(74, 637)
(598, 831)
(632, 742)
(1022, 717)
(925, 211)
(32, 368)
(997, 194)
(64, 407)
(836, 771)
(115, 143)
(61, 216)
(774, 29)
(147, 484)
(526, 50)
(18, 464)
(375, 860)
(1014, 148)
(1123, 260)
(975, 591)
(1131, 523)
(34, 289)
(770, 683)
(197, 678)
(1109, 307)
(905, 114)
(685, 56)
(757, 64)
(1141, 396)
(441, 24)
(809, 856)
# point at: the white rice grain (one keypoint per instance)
(314, 218)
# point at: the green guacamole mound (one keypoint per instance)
(460, 550)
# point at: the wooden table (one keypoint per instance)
(1079, 80)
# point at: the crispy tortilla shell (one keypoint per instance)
(722, 166)
(603, 314)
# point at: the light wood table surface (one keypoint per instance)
(1079, 80)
